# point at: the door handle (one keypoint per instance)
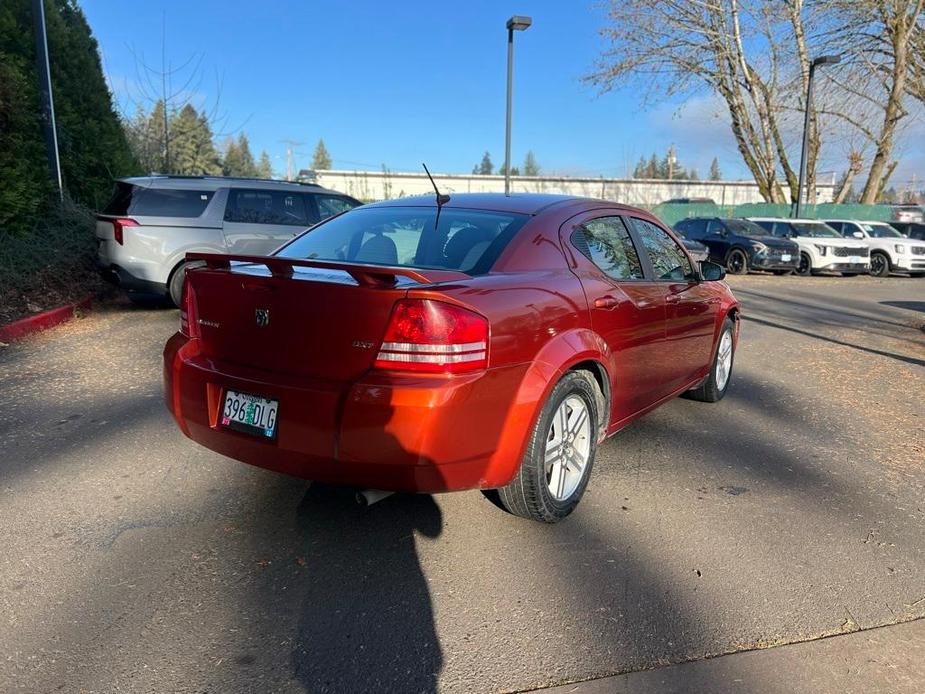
(672, 298)
(606, 302)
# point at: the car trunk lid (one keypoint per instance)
(308, 318)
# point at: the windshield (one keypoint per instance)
(880, 231)
(744, 227)
(466, 240)
(815, 229)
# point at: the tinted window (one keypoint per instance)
(768, 226)
(467, 240)
(840, 227)
(157, 202)
(607, 243)
(330, 205)
(743, 227)
(695, 228)
(668, 259)
(714, 226)
(266, 207)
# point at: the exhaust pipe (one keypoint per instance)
(368, 497)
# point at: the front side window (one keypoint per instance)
(669, 261)
(606, 242)
(266, 207)
(715, 228)
(330, 205)
(881, 231)
(466, 240)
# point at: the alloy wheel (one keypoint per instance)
(724, 360)
(737, 263)
(568, 446)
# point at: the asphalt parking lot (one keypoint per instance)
(133, 560)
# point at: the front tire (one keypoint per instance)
(714, 386)
(879, 265)
(737, 262)
(806, 265)
(555, 469)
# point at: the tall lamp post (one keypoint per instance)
(821, 60)
(515, 23)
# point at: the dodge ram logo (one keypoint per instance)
(263, 317)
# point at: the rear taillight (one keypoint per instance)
(118, 225)
(434, 337)
(189, 324)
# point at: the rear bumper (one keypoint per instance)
(386, 431)
(121, 277)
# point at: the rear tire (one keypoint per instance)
(806, 265)
(715, 385)
(175, 285)
(557, 464)
(879, 265)
(737, 262)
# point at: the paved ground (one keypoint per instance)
(132, 560)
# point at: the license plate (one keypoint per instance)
(251, 414)
(855, 260)
(785, 257)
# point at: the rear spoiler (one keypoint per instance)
(365, 275)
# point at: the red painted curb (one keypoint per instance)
(42, 321)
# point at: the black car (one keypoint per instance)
(742, 245)
(914, 230)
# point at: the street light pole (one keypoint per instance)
(46, 97)
(515, 23)
(821, 60)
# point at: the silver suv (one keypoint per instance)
(152, 222)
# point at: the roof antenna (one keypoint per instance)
(442, 198)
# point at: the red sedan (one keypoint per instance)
(486, 342)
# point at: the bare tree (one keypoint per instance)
(753, 54)
(879, 37)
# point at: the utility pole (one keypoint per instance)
(290, 160)
(45, 93)
(671, 161)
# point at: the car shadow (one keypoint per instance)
(918, 306)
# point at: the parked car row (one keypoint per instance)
(808, 246)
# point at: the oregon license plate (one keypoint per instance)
(785, 257)
(251, 414)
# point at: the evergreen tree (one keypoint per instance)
(321, 160)
(192, 152)
(486, 167)
(715, 173)
(514, 170)
(692, 175)
(531, 168)
(92, 145)
(238, 159)
(640, 170)
(264, 166)
(652, 167)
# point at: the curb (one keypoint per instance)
(42, 321)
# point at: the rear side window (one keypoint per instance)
(330, 205)
(466, 240)
(607, 243)
(157, 202)
(695, 228)
(266, 207)
(667, 258)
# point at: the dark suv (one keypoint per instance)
(914, 230)
(742, 245)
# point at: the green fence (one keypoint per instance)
(671, 213)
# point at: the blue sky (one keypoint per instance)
(397, 83)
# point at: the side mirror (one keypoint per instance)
(711, 272)
(858, 235)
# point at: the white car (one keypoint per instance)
(144, 233)
(822, 248)
(890, 251)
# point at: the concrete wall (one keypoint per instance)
(376, 185)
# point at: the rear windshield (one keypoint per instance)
(466, 240)
(151, 202)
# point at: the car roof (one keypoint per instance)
(174, 182)
(522, 203)
(859, 221)
(785, 219)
